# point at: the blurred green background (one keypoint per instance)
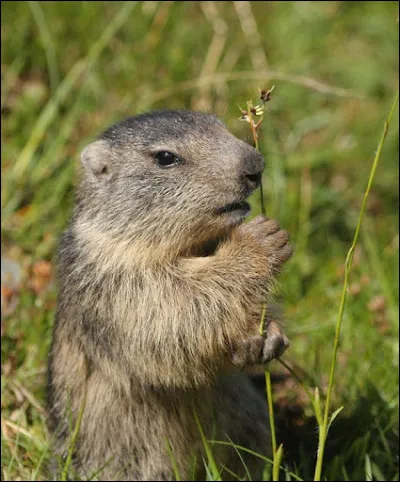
(70, 69)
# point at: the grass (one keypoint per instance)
(328, 419)
(70, 69)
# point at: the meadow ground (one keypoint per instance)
(70, 69)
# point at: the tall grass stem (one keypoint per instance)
(277, 455)
(349, 260)
(65, 87)
(71, 448)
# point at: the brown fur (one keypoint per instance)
(160, 298)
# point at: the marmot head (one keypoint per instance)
(171, 180)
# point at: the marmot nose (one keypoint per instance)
(253, 180)
(252, 170)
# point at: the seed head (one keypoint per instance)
(265, 95)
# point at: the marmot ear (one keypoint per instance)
(96, 160)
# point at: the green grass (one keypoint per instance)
(70, 69)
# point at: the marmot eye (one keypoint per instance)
(167, 159)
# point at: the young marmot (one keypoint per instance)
(161, 289)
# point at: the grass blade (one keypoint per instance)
(368, 468)
(48, 44)
(317, 407)
(79, 69)
(173, 460)
(270, 409)
(334, 415)
(255, 454)
(348, 264)
(68, 461)
(277, 463)
(215, 472)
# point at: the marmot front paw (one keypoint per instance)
(272, 239)
(261, 349)
(276, 342)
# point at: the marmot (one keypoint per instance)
(161, 288)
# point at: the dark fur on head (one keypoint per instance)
(125, 193)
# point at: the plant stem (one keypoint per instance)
(255, 138)
(270, 409)
(71, 448)
(349, 260)
(276, 456)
